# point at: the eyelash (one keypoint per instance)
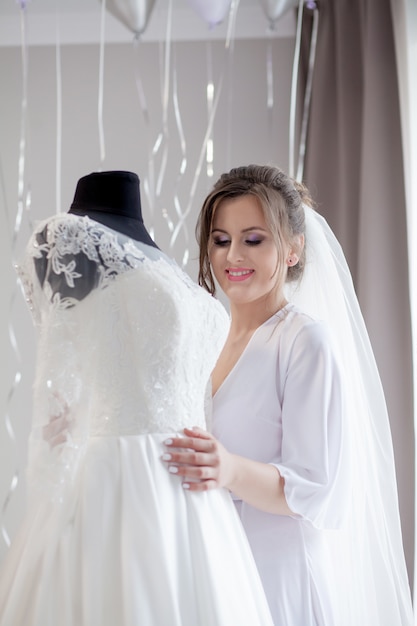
(225, 242)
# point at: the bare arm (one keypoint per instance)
(204, 463)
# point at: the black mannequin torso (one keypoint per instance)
(113, 199)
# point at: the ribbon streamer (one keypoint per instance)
(58, 113)
(165, 102)
(17, 377)
(183, 166)
(23, 207)
(203, 151)
(101, 85)
(230, 46)
(308, 90)
(153, 191)
(270, 86)
(8, 422)
(307, 94)
(294, 83)
(148, 182)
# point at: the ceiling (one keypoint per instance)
(78, 21)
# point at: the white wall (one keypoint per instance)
(244, 131)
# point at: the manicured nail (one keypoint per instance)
(166, 457)
(185, 486)
(173, 469)
(168, 442)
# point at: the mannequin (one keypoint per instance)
(113, 199)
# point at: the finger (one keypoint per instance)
(198, 474)
(199, 486)
(191, 443)
(56, 425)
(196, 431)
(195, 474)
(190, 458)
(56, 441)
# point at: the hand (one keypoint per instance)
(201, 460)
(56, 431)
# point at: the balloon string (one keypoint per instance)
(8, 422)
(269, 77)
(23, 202)
(231, 24)
(183, 166)
(209, 97)
(101, 84)
(165, 102)
(22, 143)
(203, 150)
(199, 166)
(58, 114)
(230, 45)
(148, 183)
(294, 83)
(139, 87)
(307, 96)
(269, 87)
(161, 143)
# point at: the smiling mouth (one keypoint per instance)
(239, 274)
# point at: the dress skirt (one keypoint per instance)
(128, 546)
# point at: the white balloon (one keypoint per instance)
(134, 14)
(212, 11)
(274, 9)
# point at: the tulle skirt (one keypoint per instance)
(129, 546)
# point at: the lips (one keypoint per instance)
(237, 275)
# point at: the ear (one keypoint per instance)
(292, 259)
(295, 250)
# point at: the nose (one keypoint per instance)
(235, 253)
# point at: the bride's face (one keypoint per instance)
(243, 254)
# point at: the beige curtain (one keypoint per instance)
(354, 169)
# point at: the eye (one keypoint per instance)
(220, 241)
(253, 242)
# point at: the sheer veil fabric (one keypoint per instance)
(367, 554)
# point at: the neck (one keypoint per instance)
(246, 318)
(113, 199)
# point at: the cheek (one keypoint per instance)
(273, 265)
(215, 258)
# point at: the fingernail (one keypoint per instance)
(185, 486)
(168, 442)
(166, 457)
(173, 469)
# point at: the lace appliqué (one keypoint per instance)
(74, 256)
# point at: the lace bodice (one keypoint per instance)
(127, 340)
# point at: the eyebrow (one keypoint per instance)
(245, 230)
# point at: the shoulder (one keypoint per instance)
(60, 222)
(301, 330)
(69, 228)
(296, 321)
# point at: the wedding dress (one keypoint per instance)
(127, 342)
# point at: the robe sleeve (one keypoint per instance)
(314, 461)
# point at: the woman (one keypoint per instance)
(300, 431)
